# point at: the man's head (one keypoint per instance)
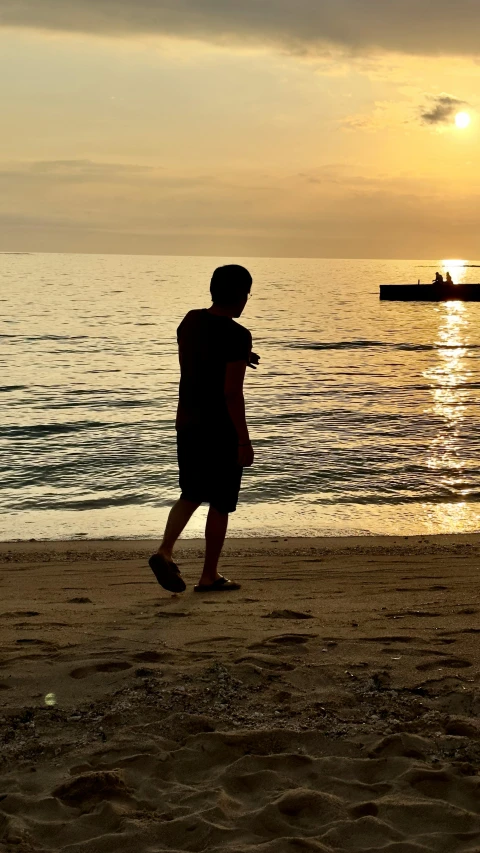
(230, 286)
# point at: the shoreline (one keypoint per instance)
(257, 544)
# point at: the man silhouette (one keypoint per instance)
(213, 443)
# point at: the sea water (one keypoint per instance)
(363, 414)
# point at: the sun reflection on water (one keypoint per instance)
(455, 517)
(448, 380)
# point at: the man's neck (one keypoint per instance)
(220, 311)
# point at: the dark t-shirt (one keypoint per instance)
(206, 343)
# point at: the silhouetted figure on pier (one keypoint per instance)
(438, 278)
(449, 278)
(213, 443)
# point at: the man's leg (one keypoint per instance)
(215, 530)
(179, 516)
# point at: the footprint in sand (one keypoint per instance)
(24, 613)
(92, 787)
(461, 631)
(363, 810)
(287, 614)
(153, 657)
(423, 613)
(306, 809)
(265, 662)
(171, 614)
(451, 663)
(208, 640)
(112, 666)
(419, 613)
(400, 745)
(394, 639)
(439, 784)
(284, 640)
(289, 639)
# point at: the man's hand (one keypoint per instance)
(254, 360)
(245, 455)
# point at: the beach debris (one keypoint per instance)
(287, 614)
(381, 680)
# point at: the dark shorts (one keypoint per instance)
(209, 469)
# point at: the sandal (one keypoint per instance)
(220, 585)
(167, 573)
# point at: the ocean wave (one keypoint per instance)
(6, 388)
(338, 499)
(96, 404)
(435, 266)
(43, 430)
(81, 504)
(102, 503)
(49, 337)
(249, 497)
(385, 345)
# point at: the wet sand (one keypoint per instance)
(332, 704)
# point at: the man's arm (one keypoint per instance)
(234, 376)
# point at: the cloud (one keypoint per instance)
(60, 172)
(441, 109)
(85, 168)
(383, 115)
(437, 27)
(389, 114)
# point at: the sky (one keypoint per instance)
(314, 128)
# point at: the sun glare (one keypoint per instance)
(462, 120)
(457, 269)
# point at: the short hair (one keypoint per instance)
(230, 284)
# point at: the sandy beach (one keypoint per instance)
(332, 704)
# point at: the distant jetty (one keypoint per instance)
(430, 292)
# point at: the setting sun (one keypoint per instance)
(462, 120)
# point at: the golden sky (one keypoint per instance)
(314, 128)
